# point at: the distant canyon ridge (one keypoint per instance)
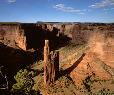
(32, 35)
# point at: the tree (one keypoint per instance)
(24, 83)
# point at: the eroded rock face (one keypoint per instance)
(13, 36)
(24, 36)
(98, 60)
(102, 45)
(89, 66)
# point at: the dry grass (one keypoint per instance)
(71, 52)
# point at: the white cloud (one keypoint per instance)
(108, 9)
(64, 8)
(81, 13)
(103, 3)
(11, 1)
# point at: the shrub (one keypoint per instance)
(62, 84)
(24, 83)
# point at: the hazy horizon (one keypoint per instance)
(54, 22)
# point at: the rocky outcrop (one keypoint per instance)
(98, 61)
(51, 65)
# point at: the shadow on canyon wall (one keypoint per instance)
(15, 59)
(36, 35)
(71, 68)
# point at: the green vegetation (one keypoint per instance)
(94, 85)
(24, 83)
(104, 91)
(63, 86)
(9, 22)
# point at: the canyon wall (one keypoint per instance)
(26, 36)
(15, 39)
(82, 32)
(12, 35)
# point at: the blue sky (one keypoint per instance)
(57, 10)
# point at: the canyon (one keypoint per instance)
(30, 35)
(22, 44)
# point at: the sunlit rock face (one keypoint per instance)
(99, 60)
(102, 45)
(96, 42)
(25, 35)
(99, 57)
(12, 36)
